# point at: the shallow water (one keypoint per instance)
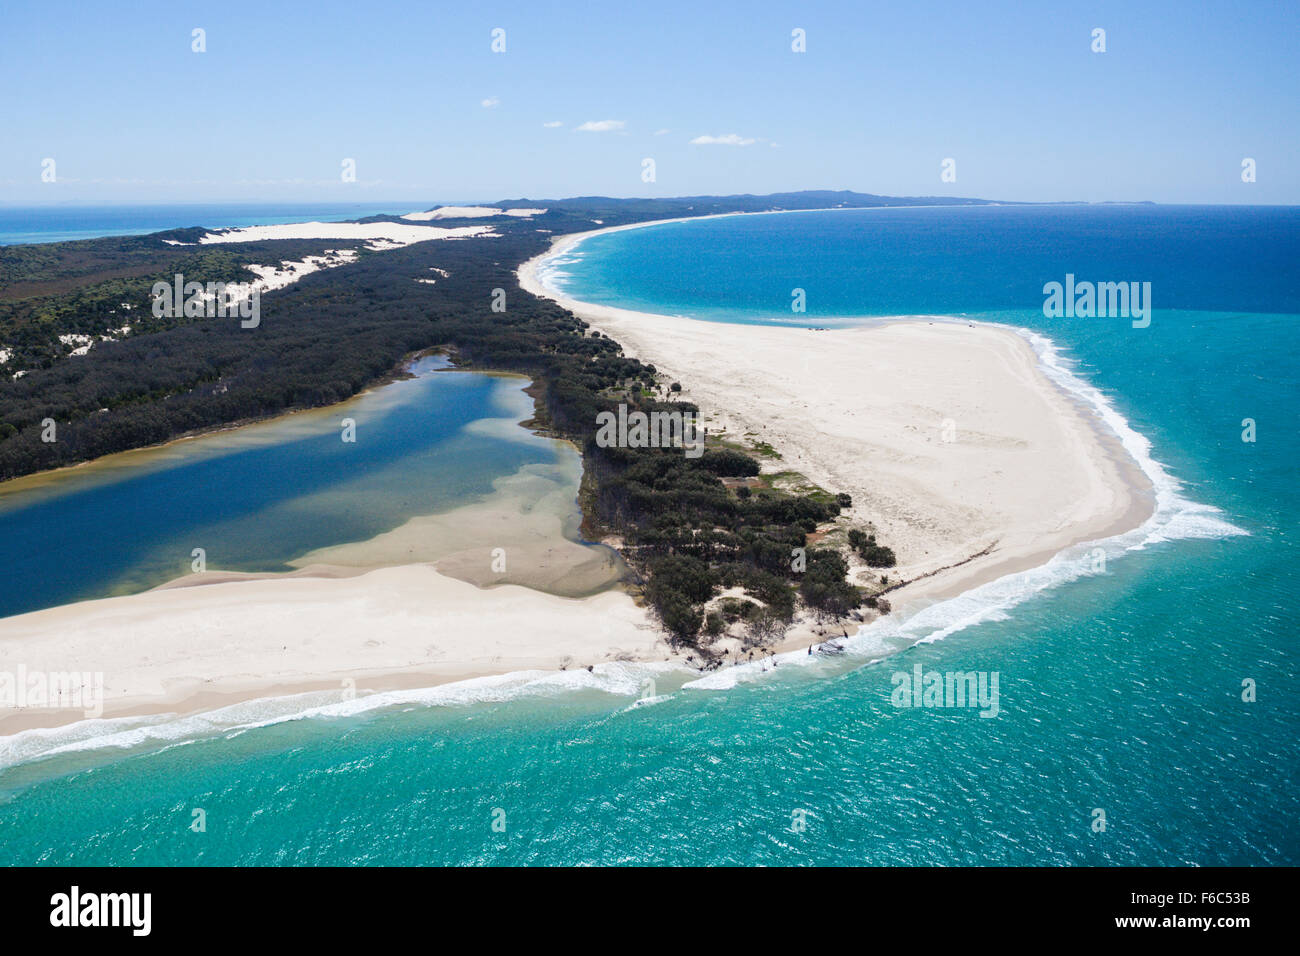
(255, 498)
(1119, 691)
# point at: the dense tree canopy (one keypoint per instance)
(331, 334)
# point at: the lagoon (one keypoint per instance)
(255, 498)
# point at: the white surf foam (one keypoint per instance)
(552, 272)
(1175, 517)
(619, 678)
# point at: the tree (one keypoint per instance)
(875, 555)
(766, 627)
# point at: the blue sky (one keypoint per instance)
(885, 92)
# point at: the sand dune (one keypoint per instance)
(470, 212)
(381, 234)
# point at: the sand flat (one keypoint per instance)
(239, 638)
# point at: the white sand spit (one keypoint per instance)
(164, 648)
(947, 435)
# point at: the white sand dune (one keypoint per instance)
(393, 234)
(271, 278)
(470, 212)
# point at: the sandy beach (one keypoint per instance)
(949, 437)
(185, 649)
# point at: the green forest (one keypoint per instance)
(689, 527)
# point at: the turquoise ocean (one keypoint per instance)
(1120, 691)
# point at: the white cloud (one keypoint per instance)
(731, 139)
(553, 124)
(661, 132)
(490, 102)
(600, 126)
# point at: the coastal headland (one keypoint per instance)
(950, 440)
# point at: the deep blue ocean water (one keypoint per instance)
(61, 222)
(1119, 691)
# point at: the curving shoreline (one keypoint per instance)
(1032, 470)
(295, 634)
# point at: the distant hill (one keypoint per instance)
(748, 202)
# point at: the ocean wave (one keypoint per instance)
(1174, 517)
(552, 271)
(156, 732)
